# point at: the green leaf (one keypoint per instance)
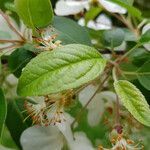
(15, 119)
(113, 38)
(64, 68)
(134, 101)
(70, 32)
(131, 9)
(128, 69)
(139, 56)
(3, 112)
(35, 13)
(7, 139)
(18, 60)
(145, 38)
(144, 75)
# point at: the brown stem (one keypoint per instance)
(10, 41)
(107, 51)
(10, 47)
(118, 126)
(117, 111)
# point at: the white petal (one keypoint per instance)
(96, 107)
(81, 142)
(94, 117)
(112, 7)
(81, 22)
(103, 22)
(122, 47)
(65, 127)
(146, 28)
(42, 138)
(12, 80)
(91, 24)
(77, 142)
(64, 8)
(107, 56)
(108, 95)
(86, 94)
(94, 41)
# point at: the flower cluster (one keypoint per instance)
(50, 108)
(120, 143)
(48, 39)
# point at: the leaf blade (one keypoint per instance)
(64, 68)
(31, 12)
(144, 75)
(70, 32)
(133, 100)
(113, 37)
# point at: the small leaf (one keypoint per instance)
(144, 75)
(113, 37)
(134, 101)
(3, 112)
(64, 68)
(70, 32)
(35, 13)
